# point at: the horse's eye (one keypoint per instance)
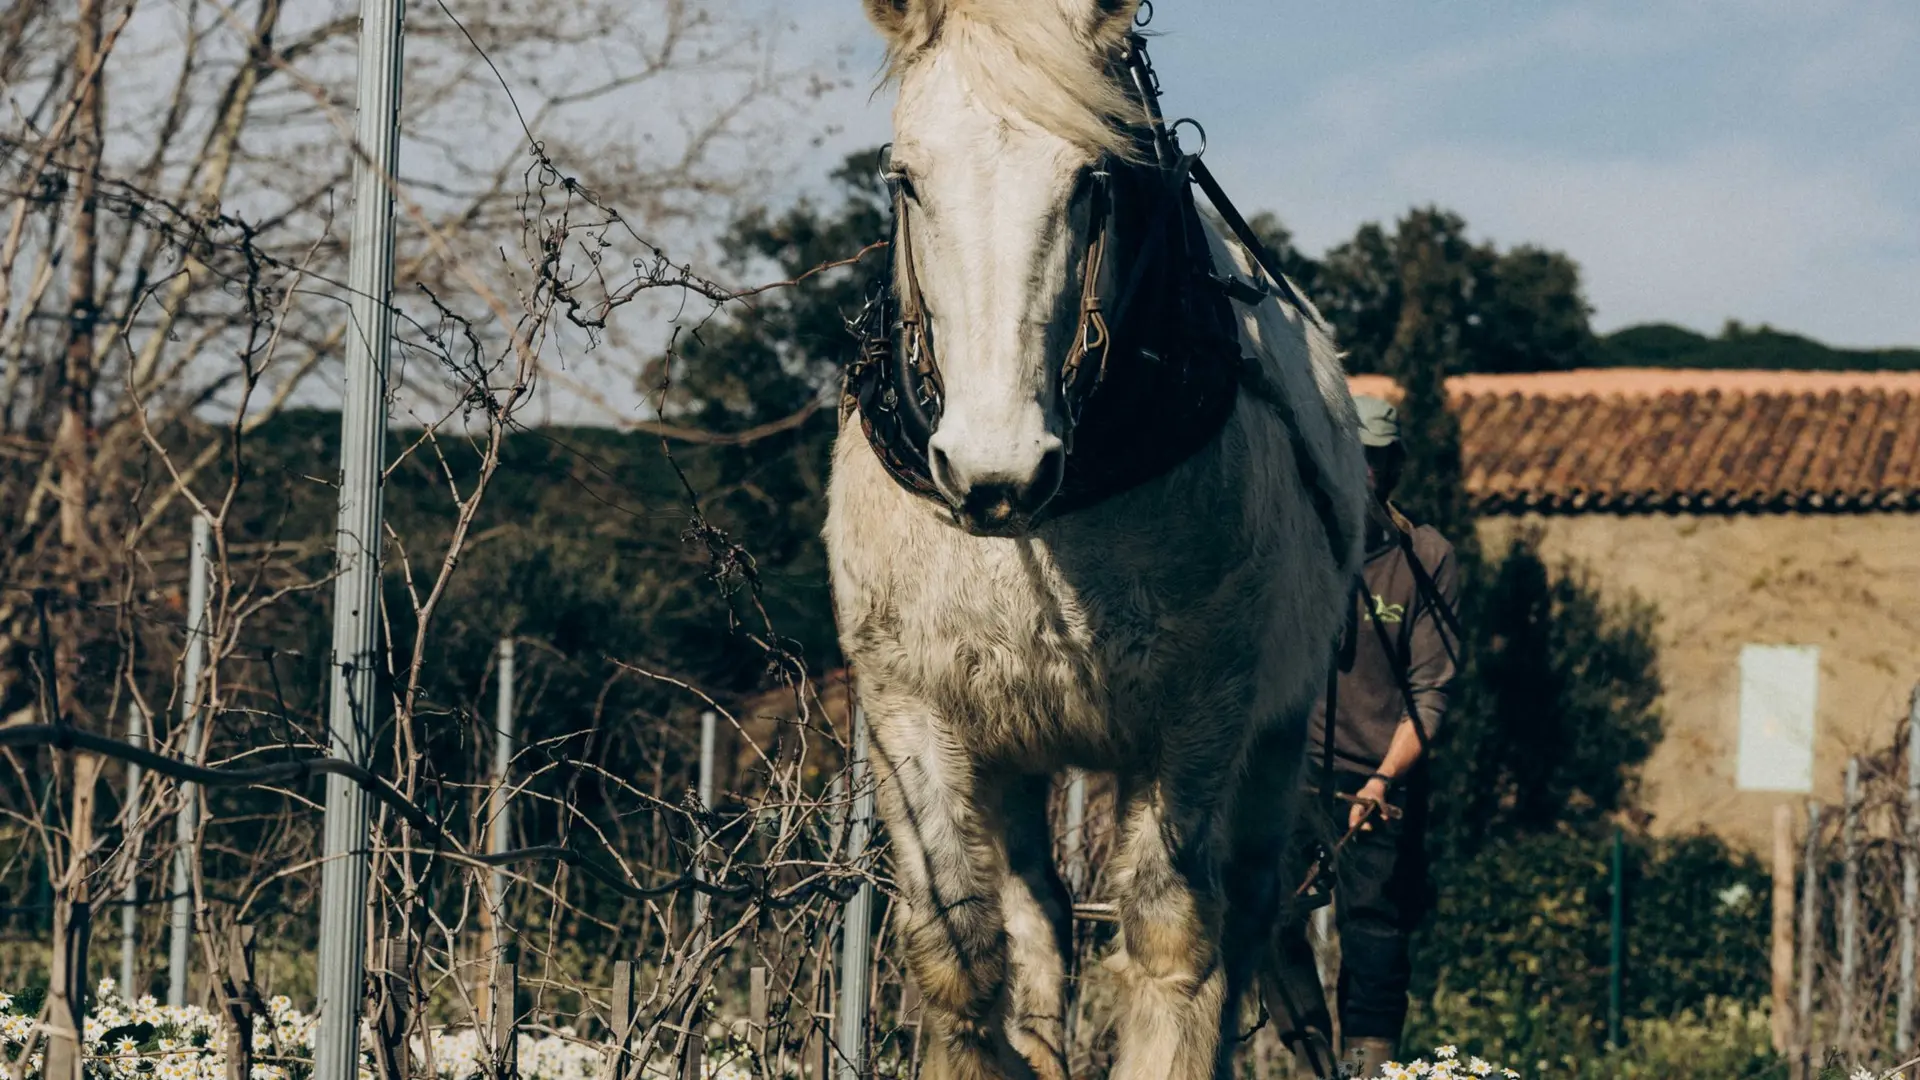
(902, 180)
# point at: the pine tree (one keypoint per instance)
(1435, 290)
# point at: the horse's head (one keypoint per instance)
(1007, 111)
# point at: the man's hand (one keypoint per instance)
(1375, 791)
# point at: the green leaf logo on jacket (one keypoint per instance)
(1386, 612)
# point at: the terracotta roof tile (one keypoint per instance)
(1903, 453)
(1626, 439)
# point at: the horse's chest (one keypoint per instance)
(1030, 658)
(1068, 646)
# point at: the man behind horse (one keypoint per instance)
(1396, 662)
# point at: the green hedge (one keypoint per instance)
(1514, 962)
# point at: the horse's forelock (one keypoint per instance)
(1051, 64)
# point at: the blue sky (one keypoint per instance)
(1702, 160)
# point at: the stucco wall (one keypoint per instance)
(1847, 583)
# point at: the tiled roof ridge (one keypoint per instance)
(1630, 440)
(1651, 382)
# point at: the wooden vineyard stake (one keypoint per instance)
(240, 1000)
(1784, 858)
(66, 993)
(396, 1013)
(72, 933)
(757, 1014)
(503, 995)
(622, 1020)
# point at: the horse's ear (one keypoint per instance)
(893, 18)
(1113, 18)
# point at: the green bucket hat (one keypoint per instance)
(1379, 421)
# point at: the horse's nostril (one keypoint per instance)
(941, 468)
(991, 505)
(1047, 478)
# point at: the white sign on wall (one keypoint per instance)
(1779, 691)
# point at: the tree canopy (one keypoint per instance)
(1515, 310)
(1741, 346)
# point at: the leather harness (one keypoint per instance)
(1149, 380)
(1160, 355)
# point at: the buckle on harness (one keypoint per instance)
(1316, 891)
(1240, 289)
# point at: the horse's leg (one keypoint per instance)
(1039, 921)
(1173, 987)
(950, 861)
(1260, 877)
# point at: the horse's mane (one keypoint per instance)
(1029, 60)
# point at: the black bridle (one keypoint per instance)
(1143, 250)
(1156, 345)
(1084, 366)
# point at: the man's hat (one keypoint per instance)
(1379, 421)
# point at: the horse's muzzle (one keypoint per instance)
(995, 505)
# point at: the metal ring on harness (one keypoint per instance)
(1173, 132)
(1144, 14)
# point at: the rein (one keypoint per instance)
(1315, 891)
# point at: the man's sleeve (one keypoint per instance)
(1432, 651)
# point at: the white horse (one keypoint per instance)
(1175, 633)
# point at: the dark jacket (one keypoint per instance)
(1371, 702)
